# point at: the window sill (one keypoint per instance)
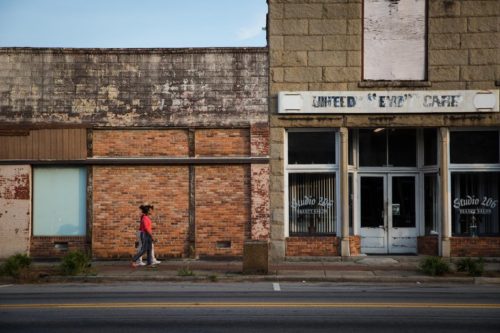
(394, 84)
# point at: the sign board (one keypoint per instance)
(379, 102)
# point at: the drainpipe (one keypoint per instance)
(344, 192)
(444, 139)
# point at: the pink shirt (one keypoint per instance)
(146, 224)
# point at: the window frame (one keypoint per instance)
(470, 166)
(372, 83)
(466, 234)
(83, 172)
(455, 168)
(311, 168)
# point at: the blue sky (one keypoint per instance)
(132, 23)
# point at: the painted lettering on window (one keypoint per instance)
(472, 205)
(311, 205)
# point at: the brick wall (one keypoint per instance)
(117, 193)
(230, 200)
(148, 103)
(259, 146)
(57, 247)
(355, 245)
(312, 246)
(125, 143)
(428, 245)
(222, 142)
(222, 210)
(475, 246)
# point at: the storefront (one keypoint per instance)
(393, 189)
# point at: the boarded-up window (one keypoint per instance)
(394, 40)
(59, 201)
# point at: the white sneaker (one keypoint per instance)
(140, 263)
(156, 262)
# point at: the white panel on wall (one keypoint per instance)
(59, 201)
(15, 209)
(394, 40)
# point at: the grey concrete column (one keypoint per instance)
(277, 246)
(344, 191)
(444, 140)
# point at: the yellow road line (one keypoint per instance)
(249, 305)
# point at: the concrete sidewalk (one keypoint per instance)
(357, 270)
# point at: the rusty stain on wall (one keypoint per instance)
(15, 206)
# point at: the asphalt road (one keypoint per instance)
(248, 307)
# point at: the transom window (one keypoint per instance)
(311, 147)
(387, 147)
(468, 147)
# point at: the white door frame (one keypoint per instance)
(402, 239)
(385, 238)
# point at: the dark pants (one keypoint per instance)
(147, 246)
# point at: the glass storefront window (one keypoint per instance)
(59, 201)
(430, 204)
(387, 147)
(372, 147)
(467, 147)
(474, 202)
(311, 147)
(350, 145)
(311, 200)
(430, 146)
(402, 147)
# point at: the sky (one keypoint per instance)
(132, 23)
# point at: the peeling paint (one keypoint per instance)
(145, 87)
(16, 204)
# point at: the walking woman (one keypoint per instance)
(147, 235)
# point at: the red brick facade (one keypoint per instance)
(57, 247)
(124, 143)
(312, 246)
(355, 245)
(222, 210)
(475, 246)
(227, 142)
(117, 193)
(428, 245)
(222, 194)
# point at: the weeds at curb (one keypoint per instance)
(185, 271)
(471, 266)
(434, 266)
(75, 263)
(16, 266)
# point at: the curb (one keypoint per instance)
(274, 278)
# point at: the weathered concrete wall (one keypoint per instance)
(133, 87)
(317, 45)
(15, 209)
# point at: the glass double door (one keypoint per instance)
(387, 204)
